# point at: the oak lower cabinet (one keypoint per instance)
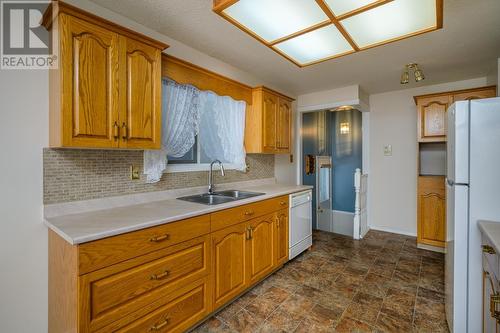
(246, 253)
(269, 122)
(106, 90)
(165, 278)
(431, 211)
(261, 246)
(230, 247)
(281, 234)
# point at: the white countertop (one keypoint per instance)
(491, 230)
(89, 226)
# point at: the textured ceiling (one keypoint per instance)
(466, 47)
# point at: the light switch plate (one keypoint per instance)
(388, 150)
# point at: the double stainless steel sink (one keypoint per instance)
(220, 197)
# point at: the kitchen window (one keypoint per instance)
(198, 127)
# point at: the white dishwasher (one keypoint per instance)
(300, 224)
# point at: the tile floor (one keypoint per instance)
(382, 283)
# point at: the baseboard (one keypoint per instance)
(391, 230)
(431, 248)
(342, 222)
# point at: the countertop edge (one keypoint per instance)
(140, 226)
(485, 228)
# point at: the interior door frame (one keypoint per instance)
(298, 150)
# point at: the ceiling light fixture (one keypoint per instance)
(417, 72)
(307, 32)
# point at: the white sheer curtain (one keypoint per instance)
(180, 120)
(222, 129)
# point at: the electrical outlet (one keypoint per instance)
(134, 172)
(388, 150)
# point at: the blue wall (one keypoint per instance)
(345, 149)
(346, 152)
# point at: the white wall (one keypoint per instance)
(393, 179)
(23, 134)
(23, 239)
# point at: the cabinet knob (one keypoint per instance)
(248, 213)
(283, 203)
(488, 249)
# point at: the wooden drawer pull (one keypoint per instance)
(158, 327)
(116, 130)
(159, 276)
(248, 213)
(161, 238)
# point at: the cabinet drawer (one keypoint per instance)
(177, 315)
(232, 216)
(119, 290)
(109, 251)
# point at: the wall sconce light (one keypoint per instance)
(345, 128)
(417, 72)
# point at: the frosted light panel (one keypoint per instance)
(394, 19)
(277, 18)
(340, 7)
(316, 45)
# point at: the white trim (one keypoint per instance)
(172, 168)
(431, 248)
(342, 222)
(392, 230)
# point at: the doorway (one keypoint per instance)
(334, 140)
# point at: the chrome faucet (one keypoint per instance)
(211, 184)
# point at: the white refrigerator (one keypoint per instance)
(472, 194)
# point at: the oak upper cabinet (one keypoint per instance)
(480, 93)
(105, 91)
(260, 260)
(229, 262)
(281, 237)
(268, 122)
(284, 125)
(141, 86)
(431, 211)
(432, 118)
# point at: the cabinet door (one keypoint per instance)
(89, 102)
(284, 123)
(229, 268)
(432, 118)
(270, 121)
(140, 119)
(431, 211)
(260, 252)
(281, 237)
(477, 94)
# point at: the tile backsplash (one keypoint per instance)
(78, 174)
